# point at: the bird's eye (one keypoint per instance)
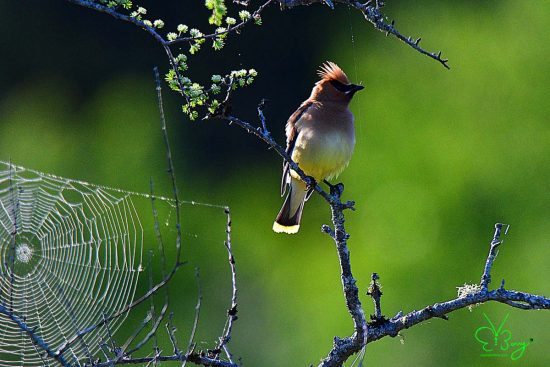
(339, 86)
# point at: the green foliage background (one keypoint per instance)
(441, 156)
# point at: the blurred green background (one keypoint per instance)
(441, 156)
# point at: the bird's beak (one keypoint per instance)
(352, 88)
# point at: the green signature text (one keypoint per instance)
(497, 341)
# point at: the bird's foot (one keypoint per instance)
(310, 183)
(335, 190)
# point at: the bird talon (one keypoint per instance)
(310, 183)
(335, 190)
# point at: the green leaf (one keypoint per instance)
(219, 10)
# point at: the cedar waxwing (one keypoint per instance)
(320, 138)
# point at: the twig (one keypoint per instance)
(375, 293)
(131, 338)
(152, 312)
(152, 333)
(232, 311)
(36, 339)
(164, 309)
(13, 240)
(126, 18)
(177, 262)
(343, 348)
(151, 315)
(236, 28)
(495, 243)
(372, 13)
(114, 349)
(511, 298)
(170, 167)
(191, 344)
(476, 295)
(158, 234)
(171, 334)
(261, 115)
(265, 136)
(195, 358)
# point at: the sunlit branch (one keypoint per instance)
(236, 28)
(475, 294)
(371, 11)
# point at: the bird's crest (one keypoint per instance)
(331, 71)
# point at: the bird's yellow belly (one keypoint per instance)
(325, 156)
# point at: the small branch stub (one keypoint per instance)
(376, 294)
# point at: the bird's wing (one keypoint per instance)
(291, 135)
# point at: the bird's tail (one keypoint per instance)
(288, 219)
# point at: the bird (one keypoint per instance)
(320, 138)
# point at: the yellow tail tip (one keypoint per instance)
(279, 228)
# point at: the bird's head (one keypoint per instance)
(334, 84)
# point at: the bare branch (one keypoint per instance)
(170, 168)
(191, 344)
(36, 339)
(400, 321)
(475, 294)
(126, 18)
(371, 12)
(375, 293)
(495, 243)
(177, 263)
(153, 332)
(343, 348)
(363, 333)
(232, 311)
(172, 332)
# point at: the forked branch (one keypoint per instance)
(364, 332)
(468, 295)
(371, 11)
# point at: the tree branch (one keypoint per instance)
(495, 243)
(126, 18)
(372, 12)
(232, 311)
(236, 28)
(35, 338)
(469, 295)
(177, 263)
(363, 332)
(343, 348)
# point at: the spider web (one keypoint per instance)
(70, 252)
